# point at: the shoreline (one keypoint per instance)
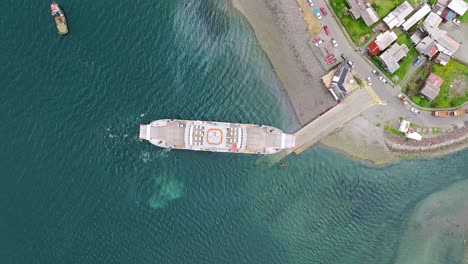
(281, 33)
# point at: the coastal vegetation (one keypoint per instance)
(394, 131)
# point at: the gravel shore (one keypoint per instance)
(281, 32)
(427, 147)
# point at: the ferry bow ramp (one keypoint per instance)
(216, 136)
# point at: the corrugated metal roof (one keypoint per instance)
(420, 14)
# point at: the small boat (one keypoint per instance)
(282, 166)
(59, 17)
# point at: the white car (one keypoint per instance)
(318, 42)
(351, 64)
(310, 2)
(415, 111)
(382, 79)
(456, 22)
(369, 81)
(334, 43)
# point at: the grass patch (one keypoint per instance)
(394, 131)
(407, 62)
(436, 131)
(455, 74)
(378, 125)
(420, 100)
(356, 28)
(383, 7)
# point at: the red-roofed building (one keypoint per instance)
(432, 52)
(373, 48)
(382, 41)
(432, 87)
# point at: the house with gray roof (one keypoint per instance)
(458, 6)
(442, 59)
(447, 45)
(427, 47)
(416, 17)
(362, 9)
(397, 17)
(432, 87)
(392, 56)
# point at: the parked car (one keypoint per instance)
(345, 58)
(382, 79)
(324, 12)
(376, 73)
(415, 111)
(329, 57)
(369, 81)
(330, 62)
(403, 99)
(316, 39)
(318, 42)
(456, 22)
(417, 62)
(327, 31)
(310, 2)
(335, 44)
(317, 14)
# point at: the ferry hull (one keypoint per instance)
(216, 136)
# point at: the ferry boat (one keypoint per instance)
(216, 136)
(59, 18)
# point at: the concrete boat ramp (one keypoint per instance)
(330, 121)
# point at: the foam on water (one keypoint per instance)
(165, 190)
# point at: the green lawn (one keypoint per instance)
(356, 28)
(383, 7)
(407, 62)
(455, 74)
(394, 131)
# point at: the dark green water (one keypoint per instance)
(76, 186)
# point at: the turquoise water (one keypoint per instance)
(77, 186)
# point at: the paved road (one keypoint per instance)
(387, 93)
(460, 34)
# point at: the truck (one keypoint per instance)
(450, 113)
(440, 113)
(458, 112)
